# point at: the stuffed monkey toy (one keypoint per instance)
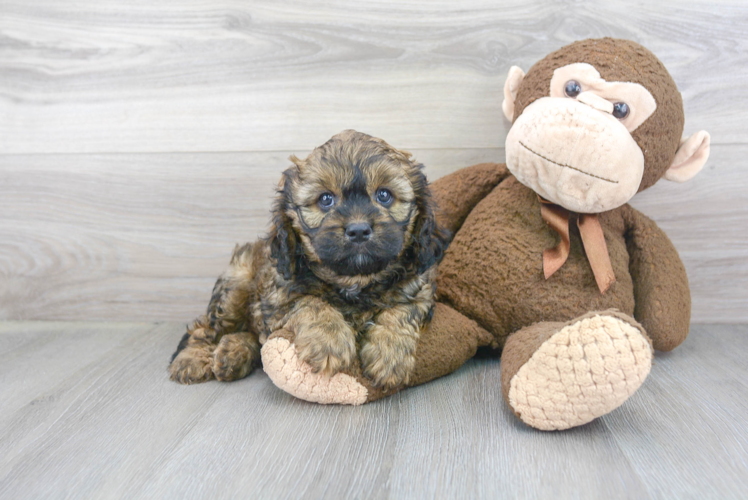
(549, 264)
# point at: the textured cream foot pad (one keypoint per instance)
(290, 374)
(582, 372)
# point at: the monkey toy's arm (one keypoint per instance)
(663, 300)
(457, 194)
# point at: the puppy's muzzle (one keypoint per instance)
(358, 232)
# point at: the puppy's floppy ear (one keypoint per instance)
(282, 237)
(430, 239)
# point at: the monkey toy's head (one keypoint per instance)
(596, 122)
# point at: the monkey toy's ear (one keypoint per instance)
(690, 157)
(513, 79)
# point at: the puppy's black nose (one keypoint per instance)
(358, 232)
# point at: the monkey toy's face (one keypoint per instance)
(577, 138)
(574, 147)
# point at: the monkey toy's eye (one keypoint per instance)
(620, 110)
(572, 88)
(384, 197)
(326, 200)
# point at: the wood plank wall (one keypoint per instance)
(140, 140)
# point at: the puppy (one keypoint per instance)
(349, 267)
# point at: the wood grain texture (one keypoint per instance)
(107, 423)
(129, 237)
(140, 141)
(144, 236)
(222, 75)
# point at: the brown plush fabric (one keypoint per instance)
(663, 299)
(493, 269)
(502, 241)
(460, 191)
(450, 340)
(620, 61)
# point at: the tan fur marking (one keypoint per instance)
(401, 211)
(312, 216)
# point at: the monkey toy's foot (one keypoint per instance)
(560, 375)
(449, 341)
(280, 360)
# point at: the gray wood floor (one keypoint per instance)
(87, 412)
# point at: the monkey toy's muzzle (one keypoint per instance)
(574, 155)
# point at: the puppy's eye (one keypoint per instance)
(620, 110)
(326, 200)
(572, 88)
(384, 197)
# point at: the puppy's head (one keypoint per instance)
(355, 207)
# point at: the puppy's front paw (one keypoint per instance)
(388, 358)
(192, 366)
(327, 348)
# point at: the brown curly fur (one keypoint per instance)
(309, 278)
